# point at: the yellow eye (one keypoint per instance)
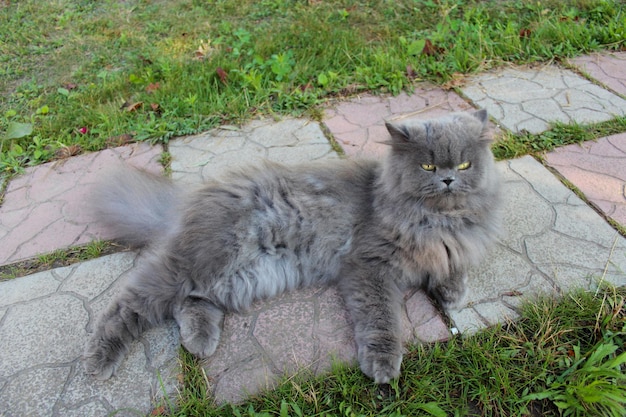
(463, 166)
(428, 167)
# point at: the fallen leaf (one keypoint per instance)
(410, 73)
(512, 293)
(525, 33)
(304, 87)
(134, 106)
(83, 130)
(430, 49)
(152, 87)
(457, 80)
(159, 411)
(70, 86)
(222, 74)
(119, 140)
(144, 60)
(67, 151)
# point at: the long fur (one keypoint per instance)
(374, 229)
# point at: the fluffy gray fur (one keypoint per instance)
(420, 218)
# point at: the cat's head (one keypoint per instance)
(446, 157)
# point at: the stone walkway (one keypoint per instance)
(555, 241)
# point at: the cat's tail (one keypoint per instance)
(135, 206)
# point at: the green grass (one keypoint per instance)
(562, 357)
(514, 145)
(78, 75)
(58, 258)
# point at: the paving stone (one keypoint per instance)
(27, 288)
(607, 68)
(304, 331)
(358, 125)
(91, 279)
(33, 333)
(44, 209)
(44, 331)
(562, 246)
(530, 99)
(197, 159)
(598, 169)
(33, 392)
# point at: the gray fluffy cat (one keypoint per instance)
(420, 218)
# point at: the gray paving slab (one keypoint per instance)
(531, 98)
(47, 317)
(197, 158)
(554, 242)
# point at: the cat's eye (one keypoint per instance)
(463, 166)
(428, 167)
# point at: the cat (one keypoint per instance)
(419, 218)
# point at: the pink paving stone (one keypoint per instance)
(608, 68)
(598, 169)
(54, 194)
(426, 323)
(303, 331)
(359, 124)
(286, 334)
(334, 331)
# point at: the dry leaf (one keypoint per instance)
(67, 151)
(134, 107)
(525, 33)
(430, 49)
(119, 140)
(457, 80)
(222, 74)
(152, 87)
(410, 73)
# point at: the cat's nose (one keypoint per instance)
(448, 181)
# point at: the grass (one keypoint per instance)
(562, 357)
(79, 76)
(59, 258)
(511, 145)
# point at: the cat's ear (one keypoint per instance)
(485, 136)
(399, 134)
(482, 116)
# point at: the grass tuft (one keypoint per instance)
(59, 258)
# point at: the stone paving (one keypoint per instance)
(529, 99)
(554, 241)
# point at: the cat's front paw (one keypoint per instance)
(381, 367)
(451, 295)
